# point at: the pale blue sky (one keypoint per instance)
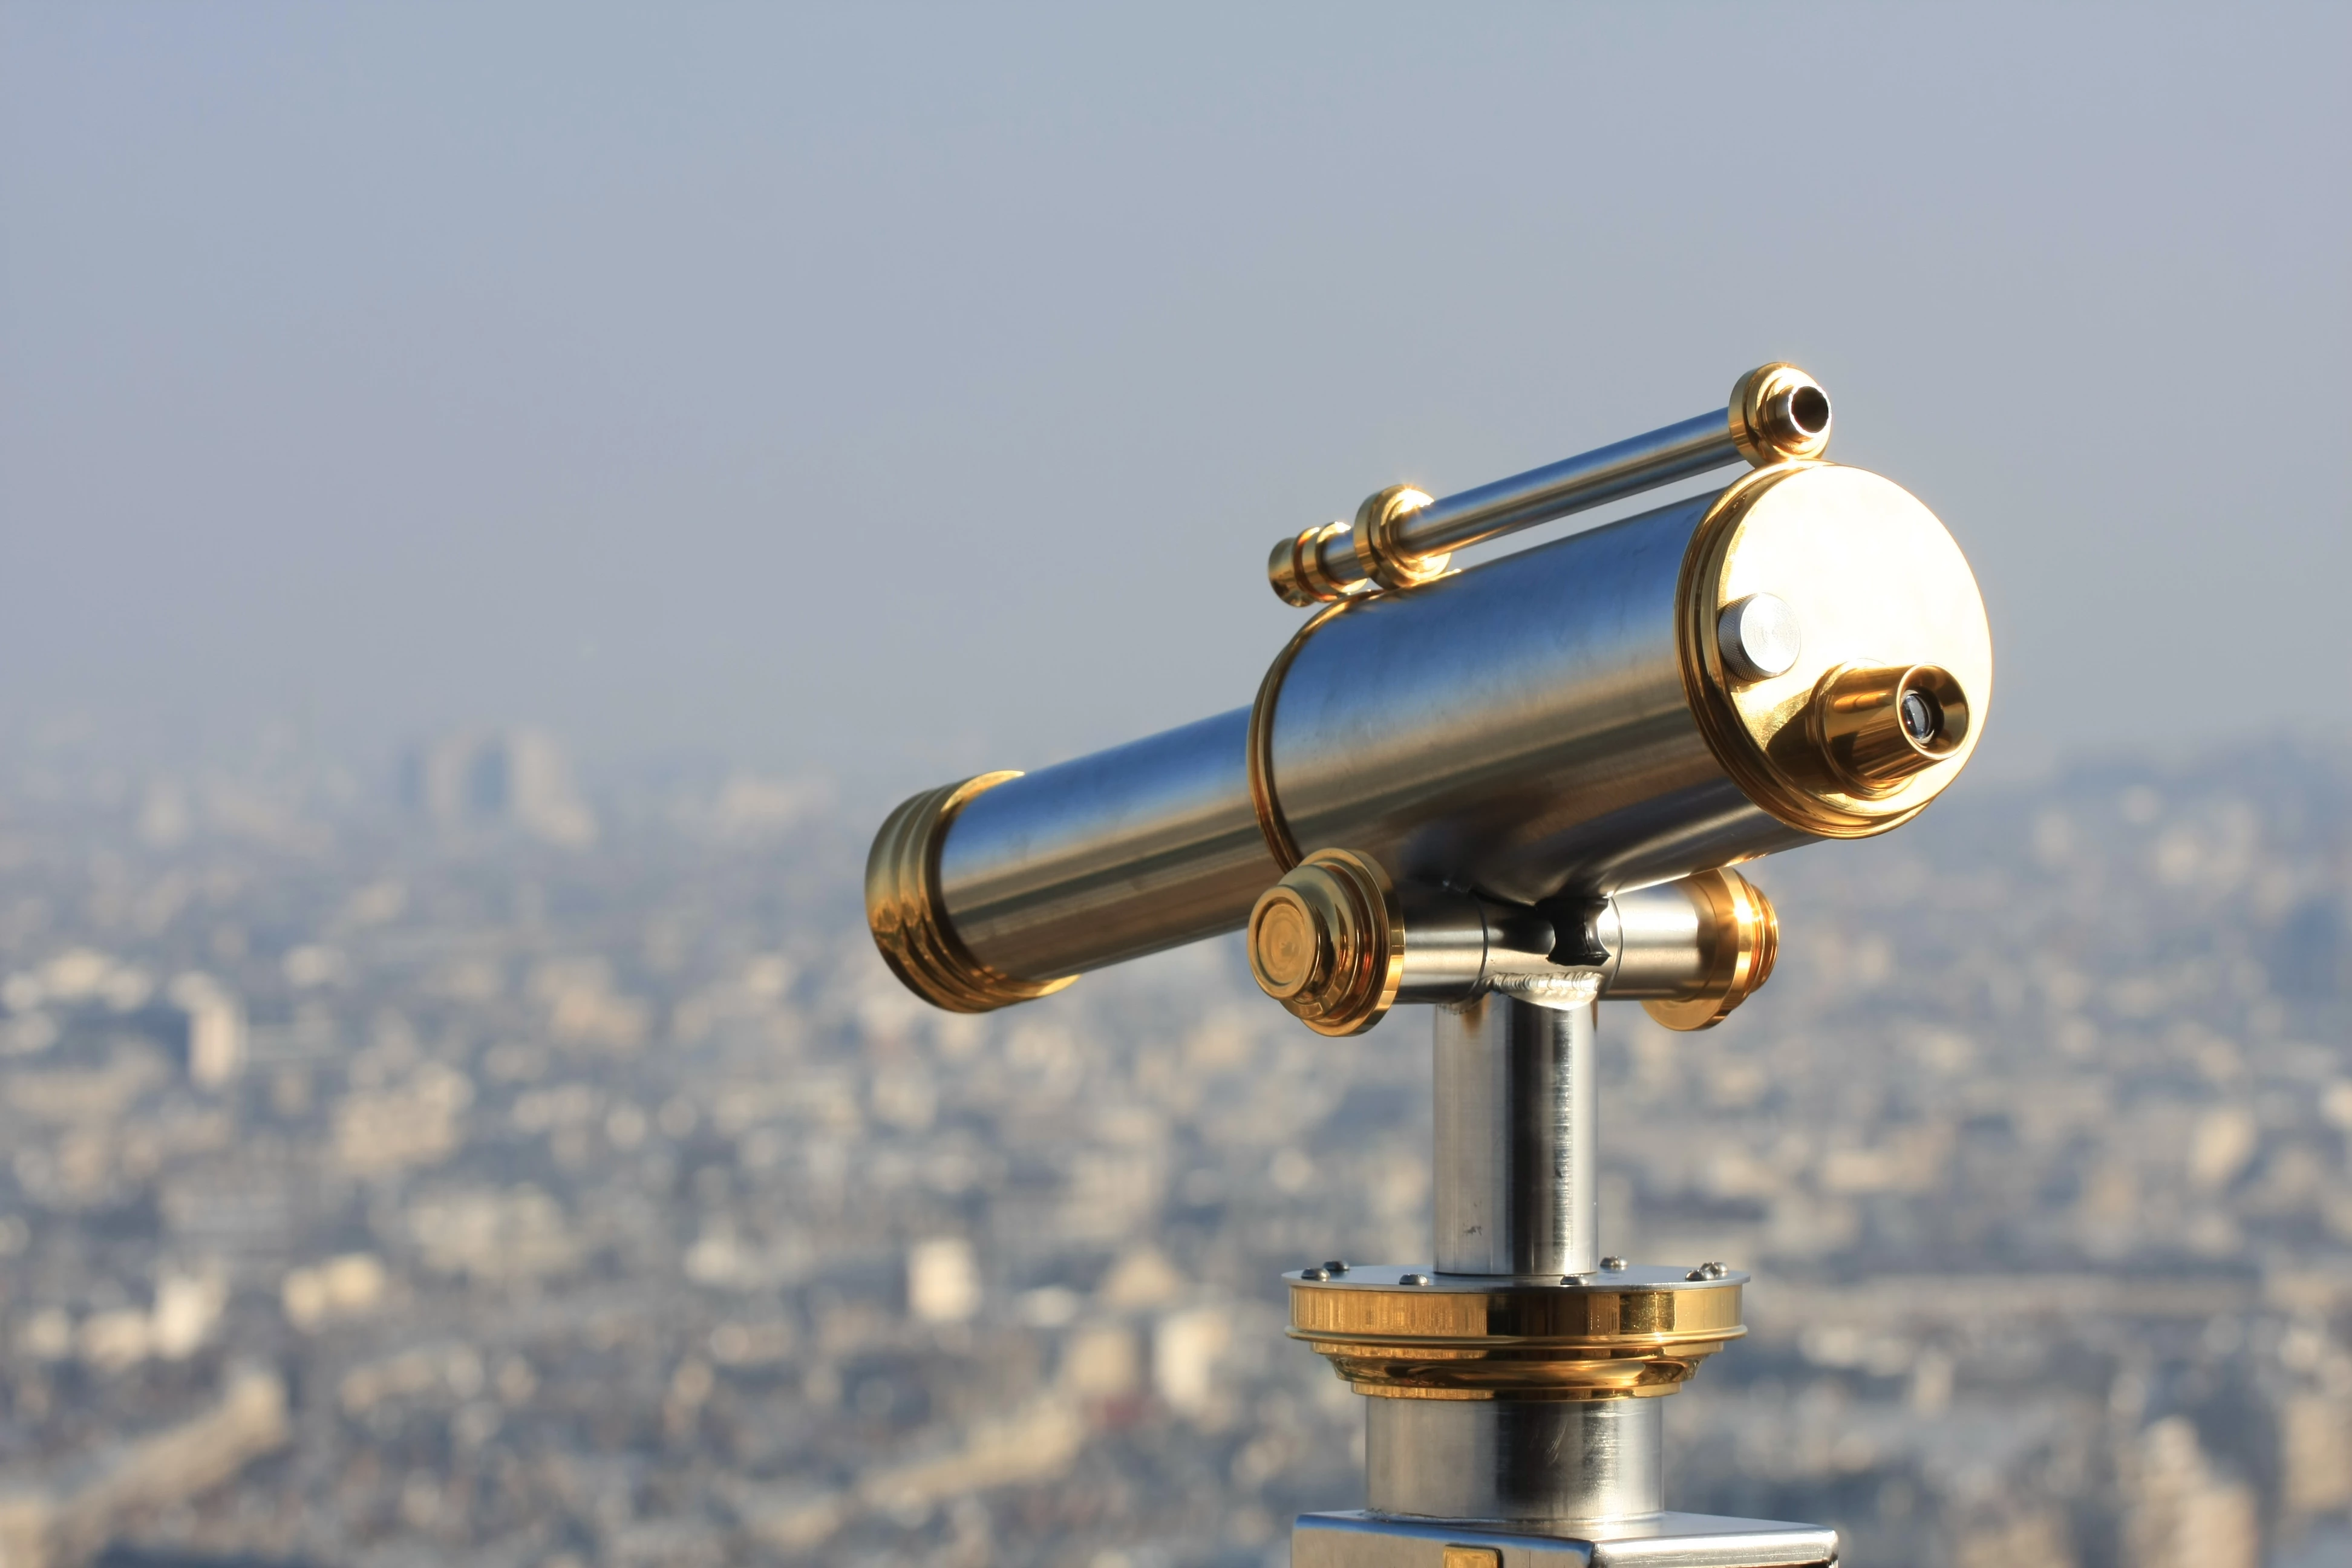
(902, 391)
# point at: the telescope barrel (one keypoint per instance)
(1600, 713)
(1776, 414)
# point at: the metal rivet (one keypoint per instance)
(1695, 1274)
(1613, 1264)
(1415, 1279)
(1337, 1266)
(1325, 1274)
(1713, 1270)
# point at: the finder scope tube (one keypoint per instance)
(1401, 537)
(1801, 654)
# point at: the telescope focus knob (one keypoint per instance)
(1327, 942)
(1338, 942)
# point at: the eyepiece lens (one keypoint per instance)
(1922, 717)
(1809, 409)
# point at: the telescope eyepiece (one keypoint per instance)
(1809, 410)
(1922, 718)
(1879, 725)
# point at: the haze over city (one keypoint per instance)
(495, 502)
(895, 392)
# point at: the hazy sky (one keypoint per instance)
(904, 391)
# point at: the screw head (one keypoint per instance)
(1415, 1279)
(1713, 1270)
(1614, 1264)
(1337, 1266)
(1325, 1274)
(1759, 636)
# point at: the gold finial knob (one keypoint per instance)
(1297, 568)
(1778, 413)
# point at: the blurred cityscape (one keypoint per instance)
(466, 1169)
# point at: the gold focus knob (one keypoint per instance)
(1740, 939)
(1327, 942)
(1876, 725)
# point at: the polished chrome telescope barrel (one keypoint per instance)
(1802, 655)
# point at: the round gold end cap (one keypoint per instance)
(1882, 593)
(1741, 934)
(1327, 942)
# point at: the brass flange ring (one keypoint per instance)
(907, 916)
(1383, 560)
(1630, 1335)
(1270, 821)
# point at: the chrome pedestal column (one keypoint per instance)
(1517, 1193)
(1520, 1483)
(1517, 1188)
(1515, 1460)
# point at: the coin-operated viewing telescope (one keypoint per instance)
(1511, 791)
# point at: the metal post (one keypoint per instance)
(1515, 1460)
(1517, 1193)
(1517, 1189)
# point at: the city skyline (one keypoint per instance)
(393, 1181)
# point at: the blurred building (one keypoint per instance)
(515, 778)
(463, 1203)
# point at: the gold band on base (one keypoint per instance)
(1514, 1340)
(906, 913)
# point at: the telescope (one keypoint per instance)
(1509, 792)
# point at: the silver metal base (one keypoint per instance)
(1662, 1541)
(1524, 1462)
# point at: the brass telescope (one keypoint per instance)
(1510, 791)
(1800, 655)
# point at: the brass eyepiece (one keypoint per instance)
(1327, 942)
(1877, 725)
(1778, 414)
